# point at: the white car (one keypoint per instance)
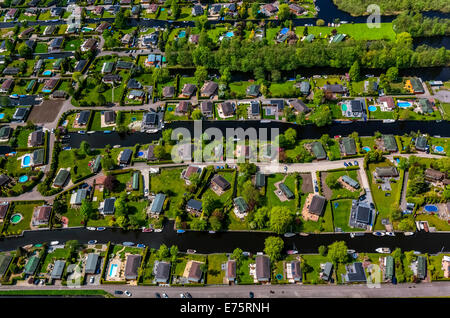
(127, 293)
(182, 296)
(92, 280)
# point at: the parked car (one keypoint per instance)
(182, 296)
(157, 295)
(187, 295)
(316, 188)
(165, 295)
(345, 164)
(372, 206)
(118, 292)
(127, 293)
(251, 295)
(356, 163)
(350, 164)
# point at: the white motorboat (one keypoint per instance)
(54, 243)
(383, 250)
(90, 228)
(408, 233)
(390, 233)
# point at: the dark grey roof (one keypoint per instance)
(110, 116)
(262, 268)
(4, 179)
(162, 272)
(356, 273)
(206, 106)
(317, 204)
(194, 204)
(132, 266)
(91, 263)
(363, 214)
(37, 138)
(356, 106)
(254, 107)
(126, 156)
(227, 108)
(220, 181)
(134, 84)
(84, 117)
(58, 269)
(108, 207)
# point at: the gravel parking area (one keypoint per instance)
(46, 112)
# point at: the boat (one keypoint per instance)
(378, 233)
(408, 233)
(107, 132)
(388, 121)
(180, 231)
(265, 121)
(146, 230)
(351, 251)
(304, 234)
(128, 243)
(211, 232)
(247, 254)
(101, 228)
(92, 242)
(54, 243)
(140, 245)
(353, 234)
(390, 233)
(81, 132)
(90, 132)
(383, 250)
(116, 146)
(289, 234)
(158, 230)
(191, 251)
(292, 252)
(14, 96)
(90, 228)
(417, 252)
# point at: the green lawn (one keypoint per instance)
(358, 31)
(243, 271)
(59, 253)
(26, 209)
(215, 274)
(79, 165)
(434, 221)
(341, 192)
(314, 261)
(341, 215)
(272, 198)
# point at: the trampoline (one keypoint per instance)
(372, 108)
(344, 107)
(16, 218)
(279, 277)
(431, 208)
(437, 148)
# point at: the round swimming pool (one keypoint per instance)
(366, 149)
(16, 218)
(26, 161)
(372, 108)
(439, 148)
(431, 208)
(23, 178)
(344, 107)
(140, 153)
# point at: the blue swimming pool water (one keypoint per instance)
(344, 107)
(404, 104)
(366, 149)
(23, 178)
(431, 208)
(140, 153)
(113, 270)
(46, 91)
(26, 161)
(182, 34)
(372, 108)
(46, 73)
(439, 148)
(284, 31)
(229, 34)
(2, 115)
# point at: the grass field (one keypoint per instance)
(215, 274)
(26, 209)
(357, 31)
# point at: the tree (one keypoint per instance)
(273, 247)
(250, 194)
(174, 251)
(110, 182)
(199, 224)
(283, 12)
(108, 163)
(392, 74)
(318, 96)
(215, 223)
(208, 203)
(176, 10)
(197, 114)
(291, 137)
(355, 71)
(121, 20)
(159, 152)
(163, 251)
(25, 51)
(86, 209)
(280, 218)
(201, 74)
(261, 217)
(338, 252)
(407, 224)
(237, 255)
(85, 147)
(121, 206)
(322, 250)
(305, 31)
(320, 22)
(322, 116)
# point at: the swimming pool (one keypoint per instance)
(26, 161)
(86, 29)
(140, 153)
(229, 34)
(182, 34)
(366, 149)
(344, 107)
(372, 108)
(439, 148)
(47, 73)
(23, 179)
(404, 104)
(46, 91)
(113, 270)
(284, 31)
(2, 115)
(431, 208)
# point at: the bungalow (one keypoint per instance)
(434, 175)
(152, 8)
(260, 180)
(226, 109)
(194, 38)
(150, 153)
(58, 269)
(11, 71)
(111, 79)
(61, 178)
(125, 156)
(334, 89)
(353, 184)
(91, 263)
(82, 118)
(4, 180)
(11, 14)
(56, 11)
(313, 207)
(240, 207)
(168, 92)
(209, 89)
(30, 12)
(286, 191)
(304, 87)
(386, 172)
(132, 266)
(190, 171)
(388, 263)
(348, 146)
(183, 108)
(78, 197)
(123, 65)
(157, 205)
(421, 143)
(353, 108)
(5, 132)
(108, 67)
(107, 207)
(135, 181)
(326, 271)
(274, 107)
(337, 38)
(387, 103)
(219, 184)
(3, 210)
(97, 10)
(194, 207)
(207, 108)
(109, 117)
(50, 85)
(253, 91)
(299, 106)
(425, 106)
(150, 41)
(254, 110)
(149, 121)
(389, 143)
(5, 260)
(262, 268)
(361, 215)
(31, 265)
(161, 271)
(20, 114)
(102, 26)
(197, 10)
(195, 272)
(269, 9)
(55, 44)
(414, 86)
(49, 30)
(135, 94)
(127, 39)
(60, 94)
(230, 271)
(134, 84)
(294, 271)
(421, 267)
(38, 157)
(355, 273)
(318, 150)
(89, 45)
(41, 215)
(295, 9)
(188, 90)
(36, 138)
(7, 86)
(26, 33)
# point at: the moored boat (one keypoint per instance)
(383, 250)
